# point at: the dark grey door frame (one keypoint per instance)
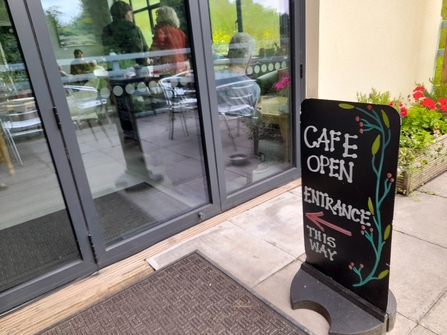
(108, 255)
(31, 289)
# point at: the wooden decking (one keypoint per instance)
(81, 294)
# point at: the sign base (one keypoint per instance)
(345, 311)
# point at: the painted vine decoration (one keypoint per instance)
(377, 236)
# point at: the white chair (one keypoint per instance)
(85, 103)
(22, 119)
(180, 98)
(235, 101)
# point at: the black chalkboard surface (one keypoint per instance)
(349, 163)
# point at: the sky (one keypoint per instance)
(69, 9)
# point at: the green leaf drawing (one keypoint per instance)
(385, 119)
(387, 232)
(376, 145)
(370, 206)
(383, 274)
(346, 106)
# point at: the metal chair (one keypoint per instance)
(235, 101)
(84, 103)
(22, 119)
(180, 98)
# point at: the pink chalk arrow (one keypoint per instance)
(315, 218)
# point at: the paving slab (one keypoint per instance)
(276, 289)
(436, 318)
(248, 258)
(278, 221)
(417, 276)
(436, 186)
(402, 325)
(419, 330)
(423, 216)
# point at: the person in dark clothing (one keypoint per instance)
(123, 36)
(79, 65)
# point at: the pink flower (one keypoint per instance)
(282, 84)
(362, 266)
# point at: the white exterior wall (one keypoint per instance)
(354, 45)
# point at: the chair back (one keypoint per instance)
(238, 98)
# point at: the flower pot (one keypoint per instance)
(436, 165)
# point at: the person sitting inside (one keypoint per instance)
(245, 91)
(79, 65)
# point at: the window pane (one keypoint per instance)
(134, 108)
(251, 58)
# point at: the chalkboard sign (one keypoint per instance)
(349, 163)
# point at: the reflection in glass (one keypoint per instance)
(253, 88)
(36, 235)
(135, 113)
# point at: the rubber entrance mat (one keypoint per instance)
(189, 296)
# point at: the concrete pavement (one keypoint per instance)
(264, 247)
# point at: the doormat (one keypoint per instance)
(191, 296)
(35, 247)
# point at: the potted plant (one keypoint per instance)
(423, 139)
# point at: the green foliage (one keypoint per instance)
(375, 97)
(420, 126)
(260, 22)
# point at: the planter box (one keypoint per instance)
(436, 165)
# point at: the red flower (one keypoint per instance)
(429, 103)
(403, 112)
(419, 88)
(442, 104)
(418, 95)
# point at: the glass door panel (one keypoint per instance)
(251, 66)
(133, 104)
(36, 234)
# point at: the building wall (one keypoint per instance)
(353, 46)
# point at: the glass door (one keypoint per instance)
(43, 240)
(126, 86)
(255, 94)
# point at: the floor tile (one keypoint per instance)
(276, 289)
(402, 326)
(423, 216)
(436, 318)
(419, 330)
(278, 221)
(249, 259)
(436, 186)
(417, 276)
